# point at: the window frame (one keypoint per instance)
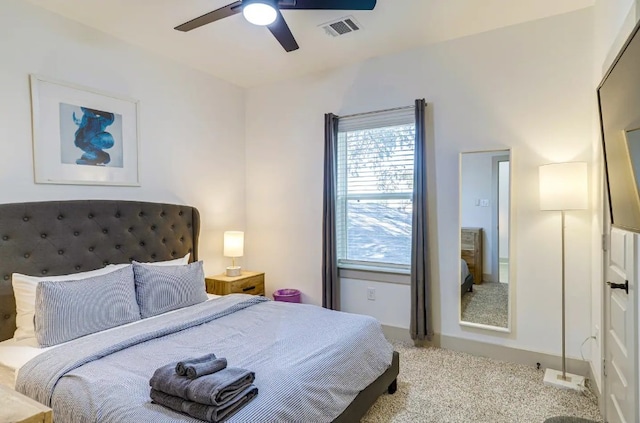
(354, 268)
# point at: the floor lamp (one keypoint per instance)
(563, 186)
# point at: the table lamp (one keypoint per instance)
(233, 247)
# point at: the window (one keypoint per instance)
(375, 190)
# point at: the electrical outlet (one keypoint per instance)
(371, 294)
(484, 203)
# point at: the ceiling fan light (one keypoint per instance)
(260, 13)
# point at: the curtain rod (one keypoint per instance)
(377, 111)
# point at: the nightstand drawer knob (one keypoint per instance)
(249, 288)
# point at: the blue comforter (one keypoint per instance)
(310, 363)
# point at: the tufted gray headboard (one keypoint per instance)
(60, 237)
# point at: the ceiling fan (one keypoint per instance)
(267, 13)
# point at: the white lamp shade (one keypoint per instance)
(233, 244)
(564, 186)
(260, 12)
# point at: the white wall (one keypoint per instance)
(527, 87)
(390, 305)
(191, 124)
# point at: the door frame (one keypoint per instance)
(606, 245)
(495, 193)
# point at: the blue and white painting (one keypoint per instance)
(90, 137)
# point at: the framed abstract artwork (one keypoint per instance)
(83, 136)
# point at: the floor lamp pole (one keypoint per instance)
(564, 187)
(564, 357)
(562, 379)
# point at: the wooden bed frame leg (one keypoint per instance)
(393, 387)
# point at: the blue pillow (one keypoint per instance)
(164, 288)
(66, 310)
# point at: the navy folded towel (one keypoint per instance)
(213, 389)
(197, 370)
(181, 366)
(204, 412)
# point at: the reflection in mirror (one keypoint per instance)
(484, 238)
(633, 144)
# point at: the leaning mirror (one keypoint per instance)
(485, 182)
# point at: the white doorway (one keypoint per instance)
(500, 219)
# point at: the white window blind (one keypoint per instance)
(375, 189)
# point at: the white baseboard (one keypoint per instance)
(498, 352)
(595, 388)
(394, 333)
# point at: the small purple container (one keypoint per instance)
(287, 295)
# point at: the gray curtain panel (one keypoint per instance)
(330, 281)
(421, 326)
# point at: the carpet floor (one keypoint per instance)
(488, 304)
(442, 386)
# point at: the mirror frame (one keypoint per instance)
(507, 151)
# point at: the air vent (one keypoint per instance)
(341, 26)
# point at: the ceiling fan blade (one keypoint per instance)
(283, 34)
(327, 4)
(223, 12)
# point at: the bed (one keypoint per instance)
(466, 278)
(56, 238)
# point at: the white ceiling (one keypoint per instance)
(234, 50)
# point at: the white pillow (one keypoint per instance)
(174, 262)
(24, 290)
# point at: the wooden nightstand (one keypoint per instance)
(247, 283)
(472, 252)
(15, 407)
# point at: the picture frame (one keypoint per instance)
(83, 136)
